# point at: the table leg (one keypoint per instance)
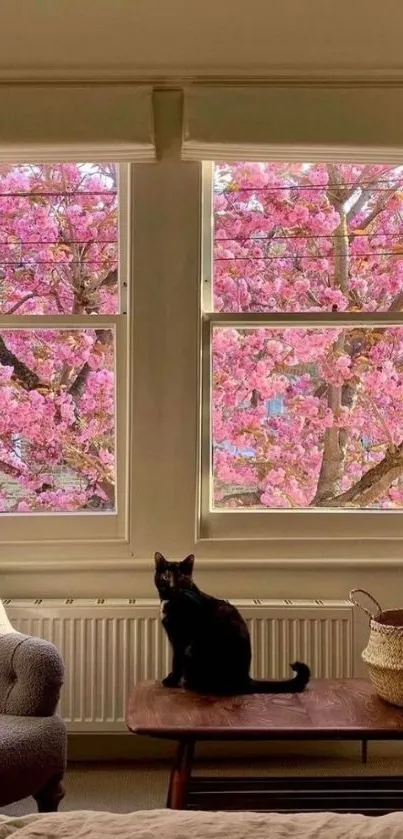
(364, 751)
(179, 778)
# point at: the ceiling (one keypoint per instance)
(167, 38)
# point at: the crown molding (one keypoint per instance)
(178, 77)
(141, 566)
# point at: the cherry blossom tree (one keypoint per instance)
(308, 416)
(58, 256)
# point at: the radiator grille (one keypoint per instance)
(108, 645)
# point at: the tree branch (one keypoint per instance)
(20, 303)
(397, 303)
(246, 498)
(335, 438)
(379, 207)
(77, 387)
(21, 373)
(334, 446)
(108, 487)
(8, 469)
(110, 279)
(373, 484)
(366, 193)
(340, 235)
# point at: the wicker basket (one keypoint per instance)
(384, 651)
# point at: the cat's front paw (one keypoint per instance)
(171, 681)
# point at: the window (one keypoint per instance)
(302, 371)
(63, 350)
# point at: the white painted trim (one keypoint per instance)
(164, 76)
(137, 567)
(284, 534)
(162, 384)
(5, 623)
(65, 528)
(308, 319)
(41, 535)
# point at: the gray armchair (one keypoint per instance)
(33, 741)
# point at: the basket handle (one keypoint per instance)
(355, 602)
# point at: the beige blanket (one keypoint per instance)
(169, 824)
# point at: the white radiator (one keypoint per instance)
(108, 645)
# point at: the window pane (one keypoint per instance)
(306, 237)
(58, 239)
(306, 418)
(57, 420)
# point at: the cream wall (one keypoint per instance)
(100, 37)
(165, 355)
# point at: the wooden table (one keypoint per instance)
(327, 710)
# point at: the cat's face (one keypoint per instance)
(172, 577)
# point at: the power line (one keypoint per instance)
(22, 242)
(21, 264)
(298, 256)
(257, 239)
(270, 188)
(65, 194)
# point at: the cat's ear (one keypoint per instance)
(187, 564)
(160, 561)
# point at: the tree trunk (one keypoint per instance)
(335, 439)
(374, 483)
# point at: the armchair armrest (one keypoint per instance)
(31, 676)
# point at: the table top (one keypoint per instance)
(328, 709)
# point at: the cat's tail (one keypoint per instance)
(295, 685)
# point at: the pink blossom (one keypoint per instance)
(278, 393)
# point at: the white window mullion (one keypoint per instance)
(22, 322)
(125, 186)
(317, 320)
(207, 237)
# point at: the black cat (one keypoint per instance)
(209, 638)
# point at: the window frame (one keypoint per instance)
(283, 525)
(92, 533)
(163, 357)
